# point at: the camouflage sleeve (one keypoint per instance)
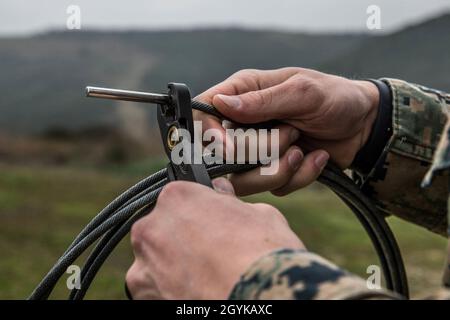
(299, 274)
(419, 118)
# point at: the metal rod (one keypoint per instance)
(126, 95)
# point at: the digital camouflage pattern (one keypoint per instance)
(421, 122)
(302, 275)
(418, 153)
(419, 117)
(418, 121)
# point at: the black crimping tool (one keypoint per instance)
(174, 114)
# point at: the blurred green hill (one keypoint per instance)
(43, 208)
(43, 76)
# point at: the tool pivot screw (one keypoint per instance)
(172, 137)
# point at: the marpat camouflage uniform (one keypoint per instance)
(409, 188)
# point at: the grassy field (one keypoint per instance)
(42, 209)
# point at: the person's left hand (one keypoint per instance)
(197, 242)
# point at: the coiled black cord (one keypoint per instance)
(114, 222)
(375, 225)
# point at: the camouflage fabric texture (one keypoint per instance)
(419, 120)
(298, 274)
(417, 156)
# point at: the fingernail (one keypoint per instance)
(223, 185)
(321, 159)
(231, 101)
(295, 135)
(295, 159)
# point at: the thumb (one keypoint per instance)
(223, 185)
(256, 106)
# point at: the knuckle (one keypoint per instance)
(145, 235)
(132, 278)
(245, 72)
(272, 212)
(305, 84)
(260, 98)
(242, 83)
(256, 97)
(171, 190)
(137, 235)
(292, 86)
(244, 80)
(310, 89)
(265, 208)
(278, 216)
(293, 70)
(282, 175)
(282, 172)
(266, 96)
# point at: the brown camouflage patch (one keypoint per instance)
(417, 105)
(427, 135)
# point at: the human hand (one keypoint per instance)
(197, 242)
(333, 114)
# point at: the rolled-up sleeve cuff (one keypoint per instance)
(301, 275)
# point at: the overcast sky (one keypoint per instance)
(25, 16)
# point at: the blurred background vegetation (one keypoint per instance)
(63, 157)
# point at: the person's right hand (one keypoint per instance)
(333, 114)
